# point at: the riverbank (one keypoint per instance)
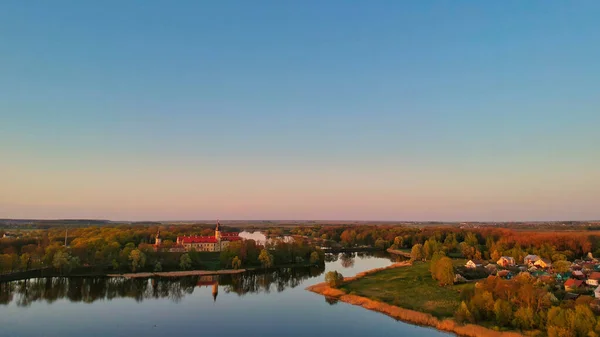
(403, 314)
(179, 273)
(398, 252)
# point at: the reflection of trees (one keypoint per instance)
(90, 289)
(347, 260)
(331, 300)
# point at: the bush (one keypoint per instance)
(334, 279)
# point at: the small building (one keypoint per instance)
(573, 284)
(571, 296)
(597, 292)
(492, 269)
(472, 264)
(543, 263)
(593, 279)
(506, 261)
(506, 274)
(530, 259)
(578, 274)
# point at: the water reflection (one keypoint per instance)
(90, 289)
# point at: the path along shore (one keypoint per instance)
(406, 315)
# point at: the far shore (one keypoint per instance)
(406, 315)
(179, 273)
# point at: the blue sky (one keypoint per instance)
(385, 110)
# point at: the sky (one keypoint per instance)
(328, 110)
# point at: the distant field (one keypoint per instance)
(411, 288)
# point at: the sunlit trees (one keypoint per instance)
(266, 259)
(236, 263)
(463, 314)
(334, 279)
(561, 266)
(416, 253)
(503, 312)
(138, 260)
(444, 271)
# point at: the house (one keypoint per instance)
(571, 296)
(593, 279)
(505, 274)
(543, 263)
(578, 274)
(530, 259)
(506, 261)
(473, 264)
(492, 269)
(573, 284)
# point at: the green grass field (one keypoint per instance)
(411, 288)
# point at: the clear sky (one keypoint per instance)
(366, 110)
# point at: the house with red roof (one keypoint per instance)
(573, 284)
(593, 279)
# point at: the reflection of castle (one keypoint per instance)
(210, 280)
(214, 243)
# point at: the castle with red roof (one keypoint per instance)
(214, 243)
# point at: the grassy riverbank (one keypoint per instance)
(412, 288)
(408, 293)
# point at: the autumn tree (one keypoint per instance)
(561, 266)
(266, 259)
(503, 312)
(314, 258)
(416, 253)
(334, 279)
(236, 263)
(444, 271)
(138, 260)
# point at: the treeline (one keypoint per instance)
(130, 248)
(527, 303)
(472, 243)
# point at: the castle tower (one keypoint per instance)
(218, 232)
(157, 240)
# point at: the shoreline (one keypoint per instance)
(406, 315)
(179, 273)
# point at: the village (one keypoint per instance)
(568, 280)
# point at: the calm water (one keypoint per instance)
(253, 304)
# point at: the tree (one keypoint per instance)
(138, 260)
(236, 263)
(463, 315)
(61, 260)
(381, 244)
(266, 259)
(416, 253)
(444, 271)
(334, 279)
(433, 263)
(561, 266)
(524, 318)
(185, 262)
(398, 242)
(503, 312)
(314, 258)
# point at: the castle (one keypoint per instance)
(214, 243)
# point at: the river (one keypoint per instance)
(251, 304)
